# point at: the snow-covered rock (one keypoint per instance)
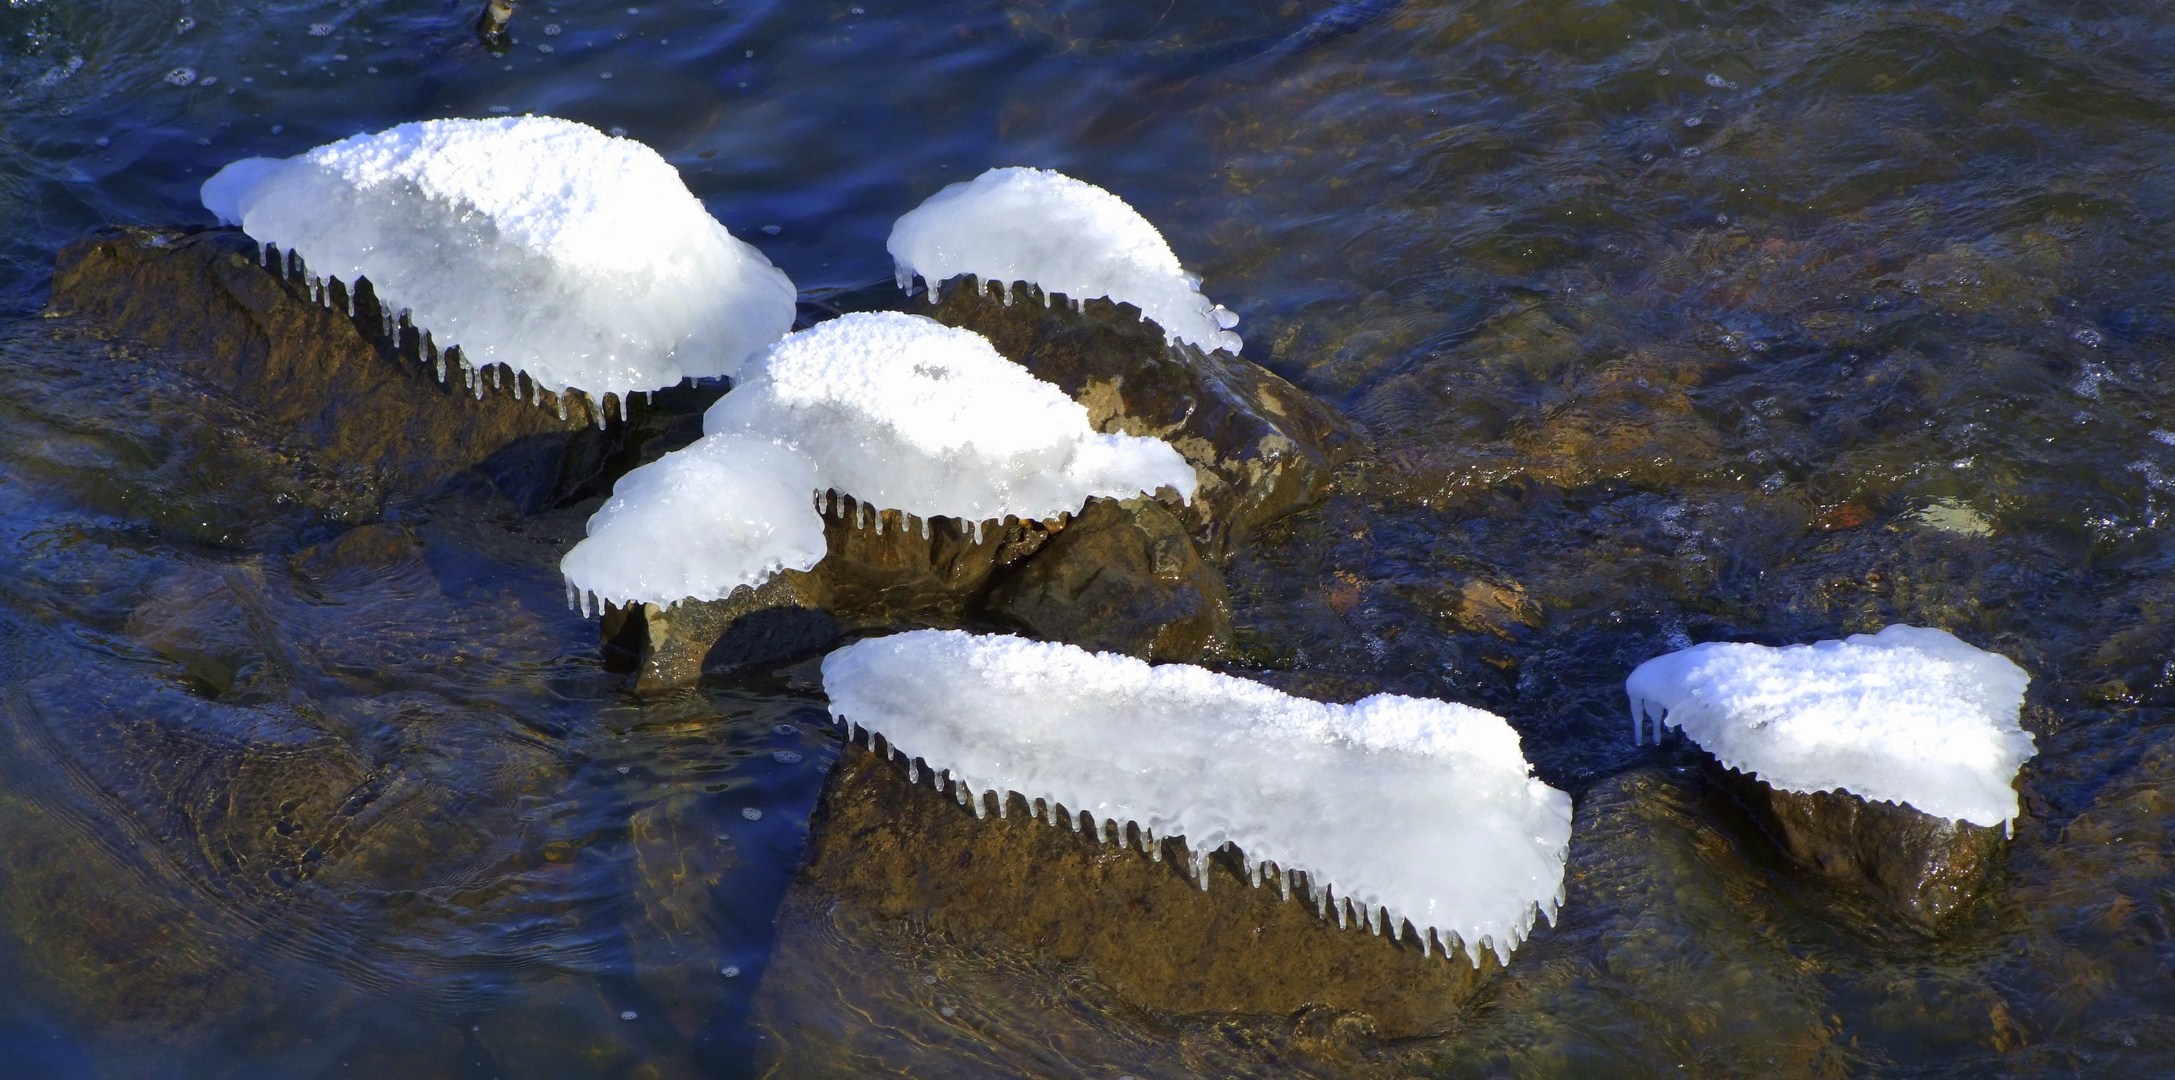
(1909, 715)
(1065, 235)
(899, 412)
(698, 523)
(1417, 809)
(905, 413)
(576, 257)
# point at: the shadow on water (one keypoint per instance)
(1667, 321)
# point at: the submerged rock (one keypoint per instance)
(361, 389)
(1928, 868)
(1261, 446)
(895, 851)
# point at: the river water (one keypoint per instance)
(1665, 320)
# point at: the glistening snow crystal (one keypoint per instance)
(1409, 808)
(1908, 715)
(576, 257)
(1065, 235)
(898, 411)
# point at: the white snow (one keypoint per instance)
(1422, 809)
(904, 413)
(574, 256)
(898, 411)
(726, 511)
(1909, 715)
(1065, 235)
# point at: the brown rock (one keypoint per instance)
(1122, 577)
(1261, 446)
(361, 390)
(1928, 868)
(896, 851)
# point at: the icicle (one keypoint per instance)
(569, 583)
(1004, 805)
(913, 770)
(1283, 880)
(904, 278)
(440, 365)
(601, 409)
(561, 395)
(1007, 292)
(1045, 297)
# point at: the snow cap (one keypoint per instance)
(1065, 235)
(699, 522)
(578, 258)
(1909, 715)
(1415, 809)
(904, 413)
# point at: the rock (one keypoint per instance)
(1122, 577)
(895, 852)
(1262, 447)
(1928, 868)
(360, 390)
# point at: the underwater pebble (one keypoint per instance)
(321, 29)
(627, 1015)
(930, 979)
(623, 770)
(730, 971)
(181, 76)
(751, 813)
(786, 757)
(553, 29)
(2087, 337)
(949, 1011)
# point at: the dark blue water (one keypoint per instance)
(1667, 320)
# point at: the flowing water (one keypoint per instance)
(1666, 321)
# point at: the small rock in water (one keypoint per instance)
(1716, 81)
(321, 29)
(181, 76)
(730, 971)
(623, 770)
(627, 1015)
(751, 813)
(2087, 337)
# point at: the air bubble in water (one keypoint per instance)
(181, 76)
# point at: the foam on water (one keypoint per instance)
(726, 511)
(1909, 715)
(1415, 809)
(904, 413)
(576, 257)
(1065, 235)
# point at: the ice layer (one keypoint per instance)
(576, 257)
(1065, 235)
(1415, 809)
(1909, 715)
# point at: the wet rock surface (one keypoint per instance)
(366, 395)
(1121, 577)
(1928, 868)
(898, 851)
(1261, 446)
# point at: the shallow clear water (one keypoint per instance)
(1666, 321)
